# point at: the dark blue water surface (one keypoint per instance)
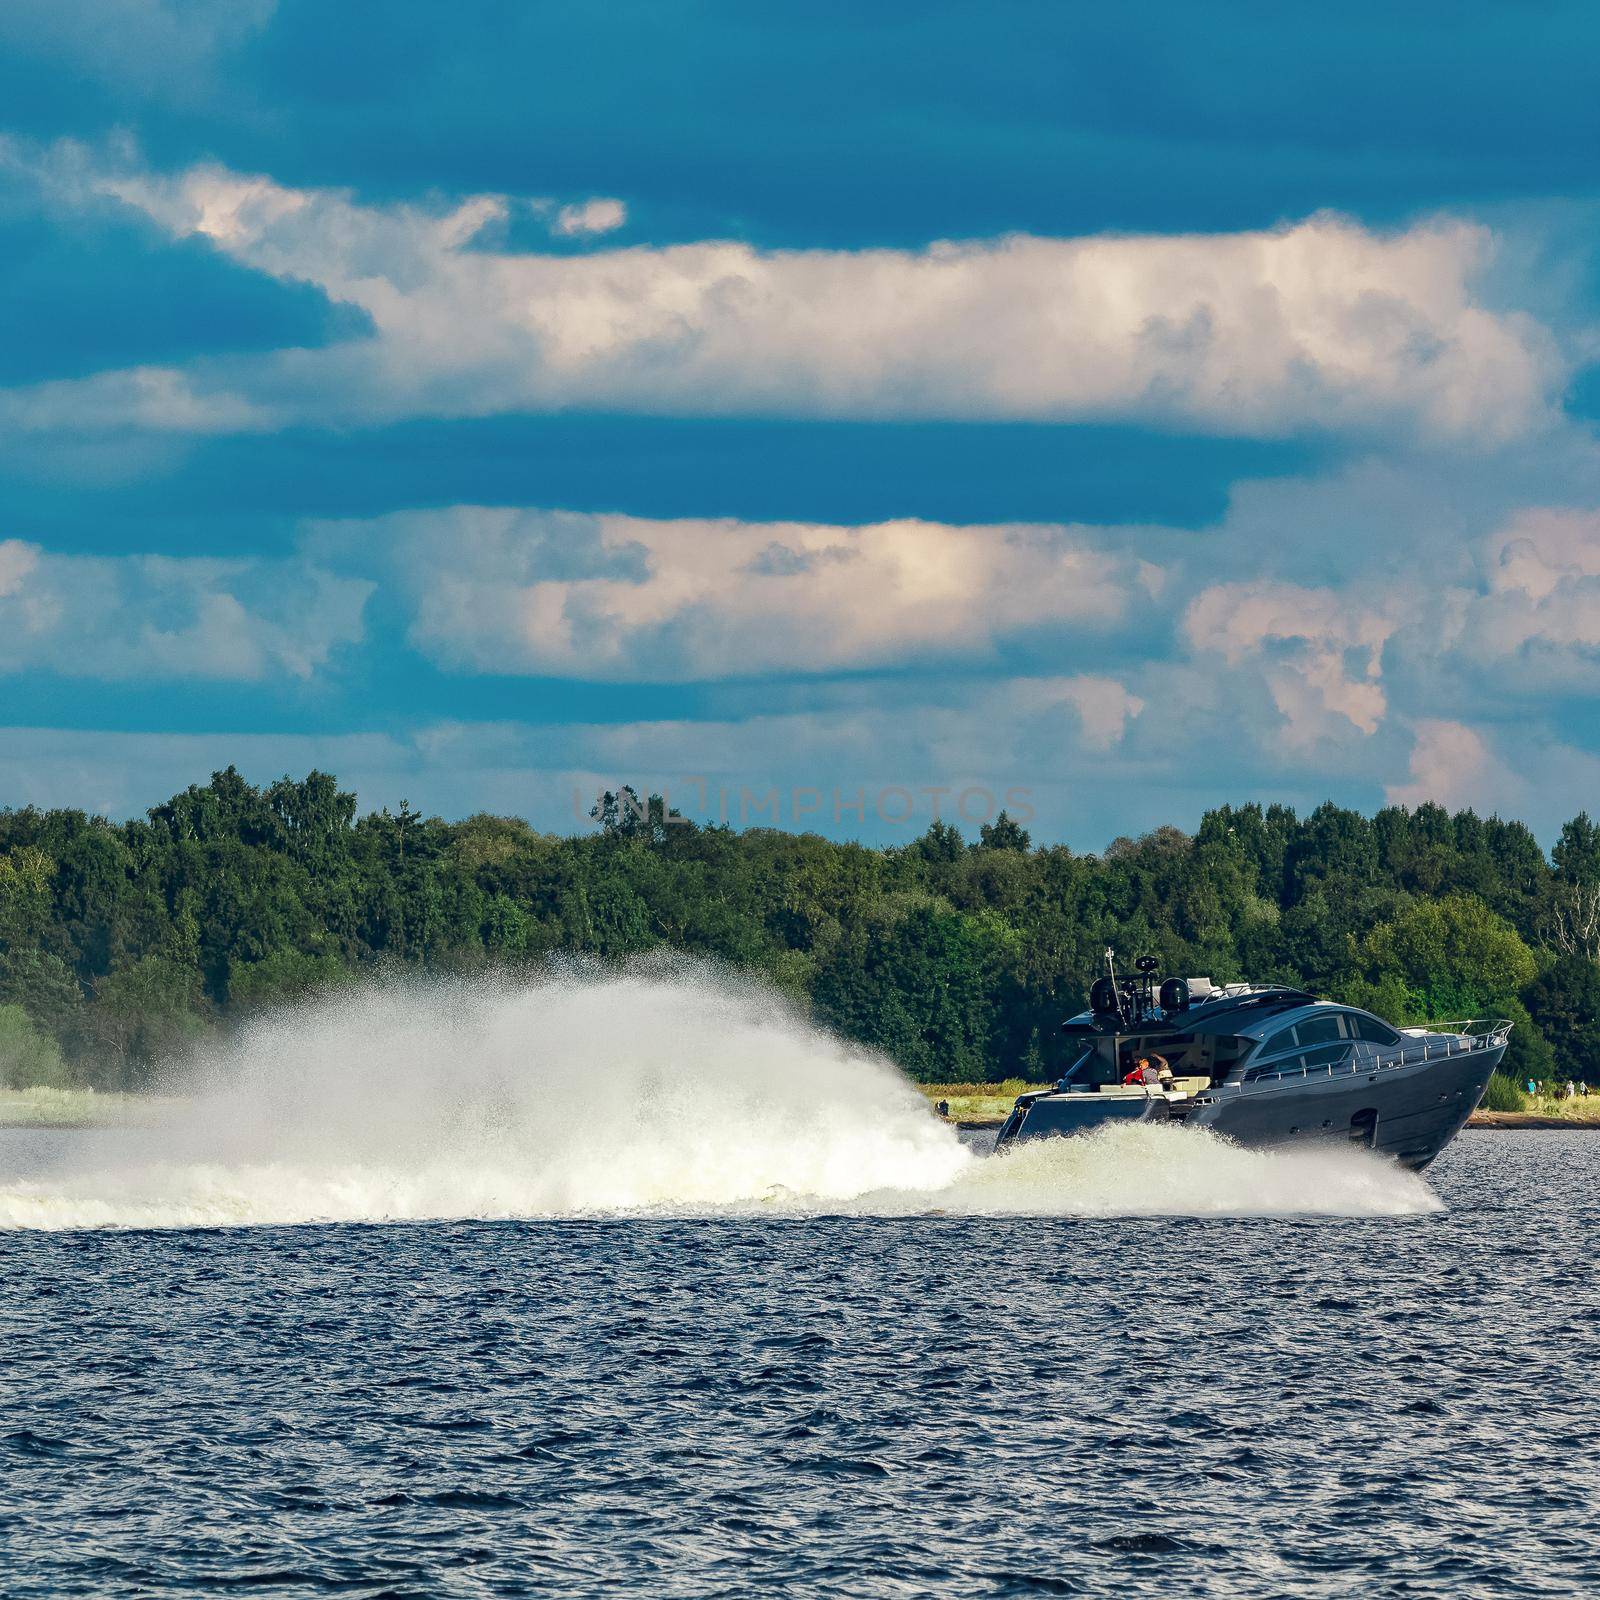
(827, 1406)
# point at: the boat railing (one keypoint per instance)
(1441, 1041)
(1487, 1030)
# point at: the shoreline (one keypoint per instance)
(1531, 1119)
(39, 1110)
(972, 1108)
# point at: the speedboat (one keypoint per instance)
(1263, 1064)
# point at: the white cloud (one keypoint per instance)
(1542, 549)
(1321, 651)
(154, 399)
(156, 618)
(994, 728)
(1453, 766)
(965, 750)
(1044, 741)
(590, 217)
(1322, 324)
(1104, 707)
(1441, 609)
(1543, 576)
(614, 597)
(17, 564)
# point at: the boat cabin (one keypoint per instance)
(1196, 1060)
(1237, 1032)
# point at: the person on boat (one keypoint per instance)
(1151, 1069)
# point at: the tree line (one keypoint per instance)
(121, 944)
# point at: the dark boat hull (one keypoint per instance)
(1408, 1112)
(1065, 1116)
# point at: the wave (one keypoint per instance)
(674, 1090)
(1173, 1171)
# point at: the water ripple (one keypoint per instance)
(986, 1405)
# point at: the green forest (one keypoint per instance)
(123, 944)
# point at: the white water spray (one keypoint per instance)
(670, 1090)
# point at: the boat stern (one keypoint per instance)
(1063, 1114)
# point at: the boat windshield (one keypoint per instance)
(1078, 1071)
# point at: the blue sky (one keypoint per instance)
(880, 410)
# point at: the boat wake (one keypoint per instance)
(668, 1090)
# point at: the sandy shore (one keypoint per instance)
(1533, 1119)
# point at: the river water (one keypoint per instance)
(890, 1401)
(639, 1285)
